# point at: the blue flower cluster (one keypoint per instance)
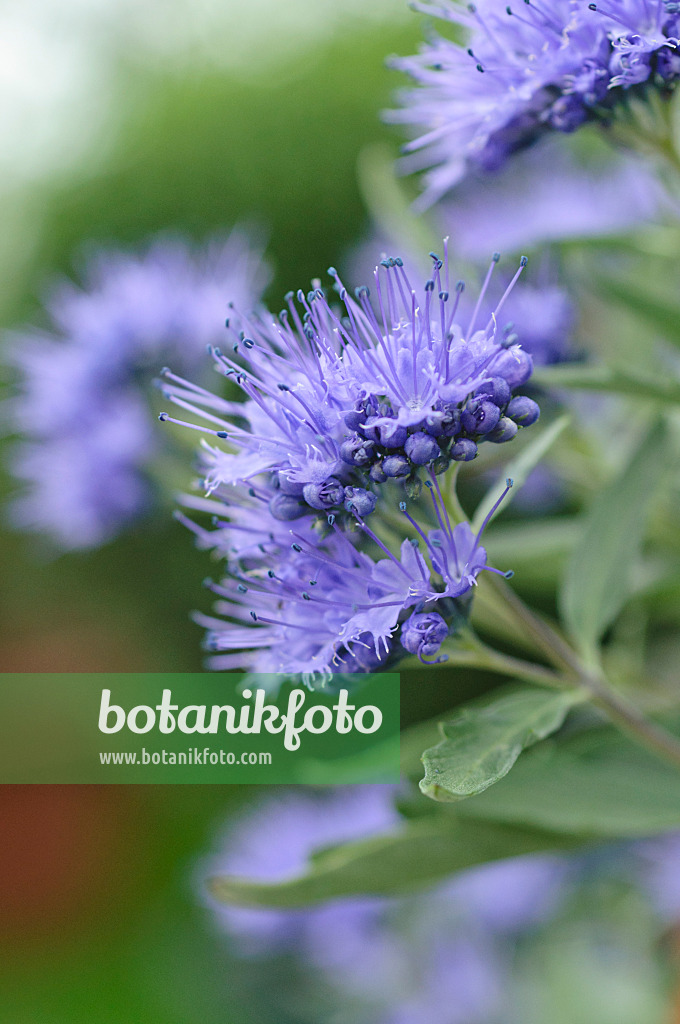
(347, 410)
(82, 408)
(336, 404)
(524, 70)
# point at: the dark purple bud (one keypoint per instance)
(515, 365)
(355, 419)
(289, 486)
(505, 431)
(451, 421)
(324, 496)
(377, 474)
(480, 416)
(464, 450)
(524, 411)
(286, 507)
(424, 633)
(396, 465)
(496, 389)
(421, 448)
(392, 435)
(355, 451)
(360, 501)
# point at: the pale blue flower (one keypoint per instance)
(83, 402)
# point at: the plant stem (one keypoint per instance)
(618, 708)
(546, 639)
(478, 655)
(631, 720)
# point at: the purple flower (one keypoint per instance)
(274, 842)
(304, 602)
(523, 71)
(83, 406)
(659, 874)
(545, 195)
(544, 318)
(353, 397)
(510, 896)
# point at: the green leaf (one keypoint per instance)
(660, 314)
(536, 549)
(614, 380)
(482, 743)
(597, 783)
(519, 469)
(423, 850)
(597, 578)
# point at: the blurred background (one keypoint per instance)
(121, 121)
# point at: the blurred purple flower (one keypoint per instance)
(524, 71)
(274, 842)
(545, 195)
(659, 874)
(83, 405)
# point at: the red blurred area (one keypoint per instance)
(67, 852)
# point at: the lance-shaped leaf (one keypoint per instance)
(482, 742)
(422, 851)
(598, 783)
(615, 380)
(598, 576)
(658, 313)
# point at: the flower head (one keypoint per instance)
(338, 402)
(83, 407)
(302, 600)
(524, 70)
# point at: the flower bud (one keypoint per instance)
(368, 430)
(360, 501)
(424, 633)
(355, 451)
(451, 421)
(464, 450)
(421, 448)
(377, 473)
(392, 435)
(515, 365)
(524, 411)
(396, 465)
(286, 507)
(480, 416)
(355, 419)
(324, 496)
(505, 431)
(496, 389)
